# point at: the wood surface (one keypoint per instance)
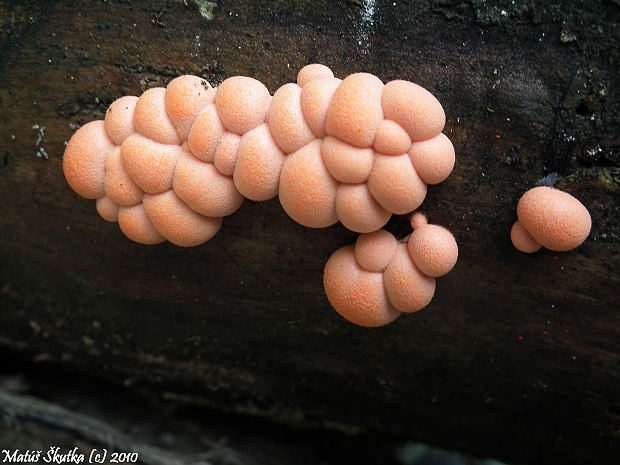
(517, 357)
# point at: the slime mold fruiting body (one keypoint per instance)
(372, 282)
(172, 163)
(551, 218)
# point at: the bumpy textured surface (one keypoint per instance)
(554, 219)
(402, 274)
(172, 163)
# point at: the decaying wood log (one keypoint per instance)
(517, 356)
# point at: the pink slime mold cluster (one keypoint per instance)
(172, 163)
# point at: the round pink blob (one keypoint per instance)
(178, 223)
(313, 72)
(204, 189)
(408, 289)
(414, 108)
(356, 294)
(119, 186)
(119, 119)
(355, 111)
(286, 121)
(375, 250)
(554, 218)
(357, 209)
(258, 165)
(84, 160)
(433, 159)
(186, 96)
(395, 184)
(150, 164)
(151, 119)
(137, 226)
(242, 103)
(307, 190)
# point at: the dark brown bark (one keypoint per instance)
(517, 357)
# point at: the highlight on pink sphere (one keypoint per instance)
(554, 219)
(107, 209)
(137, 226)
(285, 119)
(433, 159)
(357, 209)
(315, 97)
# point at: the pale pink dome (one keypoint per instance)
(356, 294)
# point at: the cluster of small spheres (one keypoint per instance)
(172, 163)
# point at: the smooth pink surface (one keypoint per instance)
(119, 186)
(107, 209)
(259, 161)
(150, 164)
(204, 189)
(137, 226)
(226, 153)
(433, 159)
(315, 98)
(346, 162)
(206, 133)
(178, 223)
(357, 209)
(522, 239)
(313, 72)
(391, 138)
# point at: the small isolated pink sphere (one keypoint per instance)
(556, 220)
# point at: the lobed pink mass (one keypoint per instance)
(551, 218)
(387, 277)
(172, 163)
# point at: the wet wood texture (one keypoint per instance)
(517, 357)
